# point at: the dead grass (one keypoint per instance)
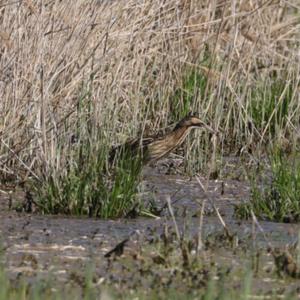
(124, 59)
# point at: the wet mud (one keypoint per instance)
(62, 247)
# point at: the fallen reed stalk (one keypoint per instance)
(211, 202)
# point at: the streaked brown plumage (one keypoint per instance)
(154, 148)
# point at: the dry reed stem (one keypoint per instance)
(125, 60)
(201, 218)
(204, 189)
(255, 221)
(168, 199)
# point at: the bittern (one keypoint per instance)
(151, 149)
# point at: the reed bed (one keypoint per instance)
(98, 72)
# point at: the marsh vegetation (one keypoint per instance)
(76, 80)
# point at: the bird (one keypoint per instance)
(153, 148)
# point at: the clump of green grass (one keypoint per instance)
(90, 186)
(277, 197)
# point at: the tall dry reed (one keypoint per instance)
(113, 69)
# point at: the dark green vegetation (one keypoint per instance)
(275, 196)
(90, 185)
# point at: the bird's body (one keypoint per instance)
(160, 148)
(151, 149)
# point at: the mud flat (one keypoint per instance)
(60, 247)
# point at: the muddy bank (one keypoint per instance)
(59, 245)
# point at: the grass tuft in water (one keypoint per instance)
(276, 197)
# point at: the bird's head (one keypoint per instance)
(192, 121)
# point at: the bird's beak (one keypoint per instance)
(213, 131)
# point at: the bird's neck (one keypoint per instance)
(180, 134)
